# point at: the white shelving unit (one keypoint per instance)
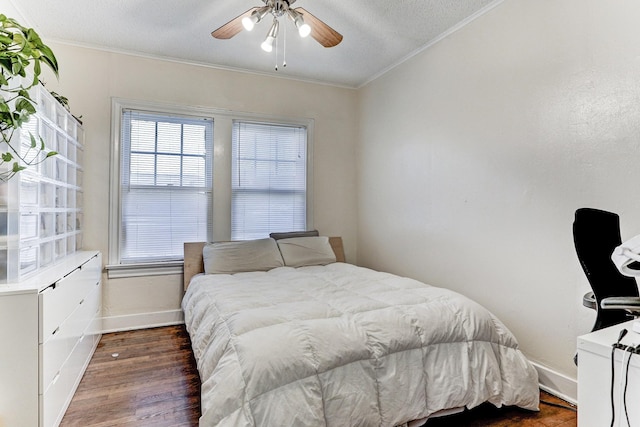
(41, 218)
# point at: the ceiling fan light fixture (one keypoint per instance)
(248, 22)
(267, 44)
(303, 29)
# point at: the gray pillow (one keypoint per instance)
(301, 251)
(292, 234)
(241, 256)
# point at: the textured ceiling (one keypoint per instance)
(378, 34)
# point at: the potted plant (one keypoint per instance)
(22, 54)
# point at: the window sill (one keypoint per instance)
(118, 271)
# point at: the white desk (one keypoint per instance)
(594, 378)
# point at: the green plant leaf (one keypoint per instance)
(23, 93)
(49, 58)
(5, 63)
(22, 52)
(36, 69)
(16, 66)
(25, 105)
(19, 39)
(32, 35)
(51, 154)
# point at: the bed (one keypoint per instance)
(334, 344)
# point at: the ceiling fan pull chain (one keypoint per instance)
(284, 50)
(277, 54)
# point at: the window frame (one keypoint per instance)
(220, 213)
(158, 188)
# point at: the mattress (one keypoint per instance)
(341, 345)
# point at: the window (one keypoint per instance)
(269, 185)
(165, 162)
(165, 184)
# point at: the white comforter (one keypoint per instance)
(342, 345)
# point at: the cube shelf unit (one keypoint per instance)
(41, 219)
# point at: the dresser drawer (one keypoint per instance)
(55, 351)
(52, 355)
(55, 400)
(92, 269)
(52, 403)
(58, 301)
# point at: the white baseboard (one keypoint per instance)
(142, 321)
(557, 384)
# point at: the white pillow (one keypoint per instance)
(241, 256)
(301, 251)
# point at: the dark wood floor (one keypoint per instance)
(139, 378)
(149, 378)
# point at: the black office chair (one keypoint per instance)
(615, 298)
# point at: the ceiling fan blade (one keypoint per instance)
(232, 27)
(321, 32)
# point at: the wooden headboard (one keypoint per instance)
(194, 264)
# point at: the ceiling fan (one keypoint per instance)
(306, 23)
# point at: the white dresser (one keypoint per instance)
(594, 378)
(49, 329)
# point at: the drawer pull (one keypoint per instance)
(56, 378)
(81, 301)
(55, 331)
(49, 288)
(73, 271)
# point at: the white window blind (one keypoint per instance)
(166, 184)
(269, 183)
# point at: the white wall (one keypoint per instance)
(90, 78)
(9, 10)
(474, 155)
